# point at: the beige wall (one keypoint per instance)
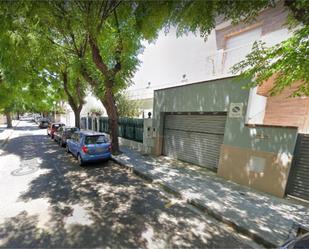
(235, 165)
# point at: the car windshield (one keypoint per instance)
(70, 130)
(98, 139)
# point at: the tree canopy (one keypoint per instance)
(288, 60)
(57, 49)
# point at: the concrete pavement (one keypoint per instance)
(267, 219)
(5, 132)
(47, 200)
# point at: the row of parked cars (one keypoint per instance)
(86, 146)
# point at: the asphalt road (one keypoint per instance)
(47, 200)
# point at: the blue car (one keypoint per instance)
(89, 146)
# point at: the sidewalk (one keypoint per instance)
(267, 219)
(5, 133)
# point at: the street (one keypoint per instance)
(47, 200)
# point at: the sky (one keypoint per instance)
(164, 62)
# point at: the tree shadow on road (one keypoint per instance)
(100, 206)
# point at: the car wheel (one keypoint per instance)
(67, 149)
(80, 160)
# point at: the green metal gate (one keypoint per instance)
(129, 128)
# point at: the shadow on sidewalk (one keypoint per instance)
(269, 217)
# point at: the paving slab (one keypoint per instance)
(267, 219)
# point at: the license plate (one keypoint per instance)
(99, 149)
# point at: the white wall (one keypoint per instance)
(164, 62)
(91, 102)
(256, 107)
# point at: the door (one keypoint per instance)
(298, 182)
(75, 143)
(194, 138)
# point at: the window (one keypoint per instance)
(99, 139)
(238, 46)
(75, 137)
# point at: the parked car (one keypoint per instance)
(297, 243)
(63, 134)
(52, 128)
(44, 123)
(37, 118)
(89, 146)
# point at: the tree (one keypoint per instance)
(61, 67)
(75, 91)
(22, 86)
(51, 78)
(288, 60)
(126, 107)
(106, 39)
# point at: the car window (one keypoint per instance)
(73, 137)
(71, 130)
(98, 139)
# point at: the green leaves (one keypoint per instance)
(126, 107)
(289, 60)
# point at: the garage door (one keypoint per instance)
(298, 184)
(194, 138)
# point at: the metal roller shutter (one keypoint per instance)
(194, 138)
(298, 185)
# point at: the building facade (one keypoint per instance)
(212, 59)
(205, 124)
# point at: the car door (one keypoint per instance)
(70, 143)
(78, 142)
(58, 133)
(74, 144)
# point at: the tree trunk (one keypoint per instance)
(8, 119)
(111, 109)
(77, 117)
(109, 99)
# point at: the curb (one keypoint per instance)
(194, 202)
(249, 233)
(132, 169)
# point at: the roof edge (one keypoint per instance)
(198, 82)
